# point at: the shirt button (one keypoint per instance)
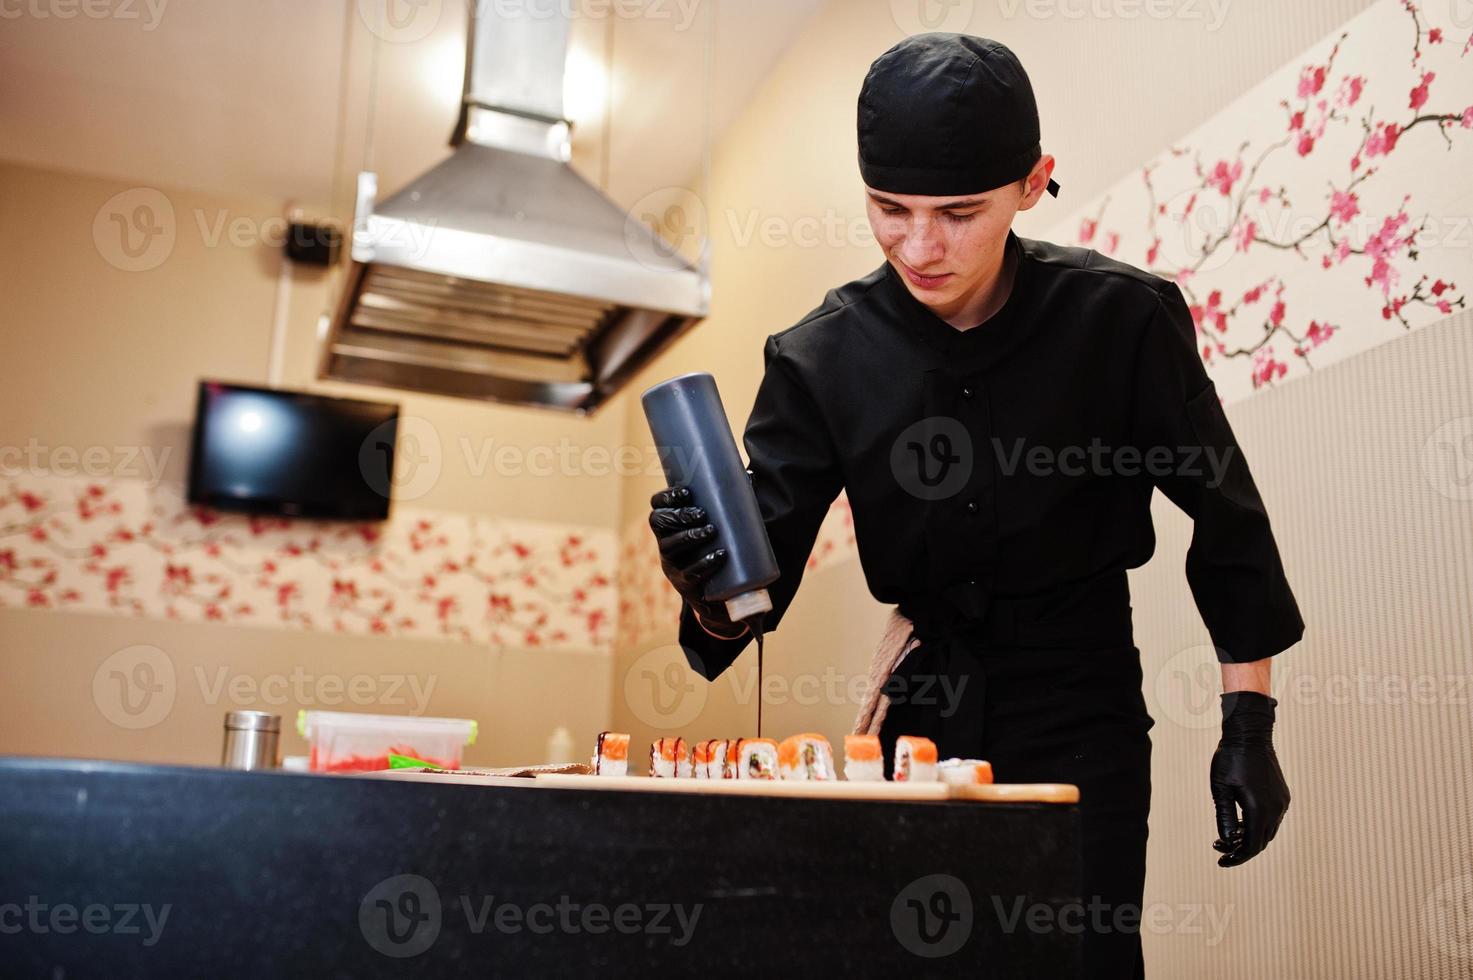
(971, 506)
(967, 392)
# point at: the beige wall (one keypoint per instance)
(50, 706)
(92, 355)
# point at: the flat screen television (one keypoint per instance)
(267, 451)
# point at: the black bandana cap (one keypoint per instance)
(947, 115)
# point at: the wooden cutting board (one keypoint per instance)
(836, 790)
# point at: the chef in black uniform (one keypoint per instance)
(999, 411)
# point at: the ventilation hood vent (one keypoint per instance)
(501, 273)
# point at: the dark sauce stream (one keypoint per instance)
(755, 624)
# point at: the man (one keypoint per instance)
(999, 411)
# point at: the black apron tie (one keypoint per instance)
(940, 689)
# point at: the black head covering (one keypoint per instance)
(947, 114)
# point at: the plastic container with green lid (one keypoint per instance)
(343, 741)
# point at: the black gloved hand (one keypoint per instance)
(1245, 772)
(682, 531)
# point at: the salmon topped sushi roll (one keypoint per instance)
(864, 760)
(684, 769)
(668, 758)
(731, 754)
(805, 756)
(915, 759)
(757, 759)
(611, 754)
(700, 758)
(711, 759)
(965, 772)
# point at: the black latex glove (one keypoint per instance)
(1246, 774)
(686, 555)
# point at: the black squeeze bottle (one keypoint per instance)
(697, 450)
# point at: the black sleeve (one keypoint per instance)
(1233, 564)
(796, 476)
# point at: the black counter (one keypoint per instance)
(124, 870)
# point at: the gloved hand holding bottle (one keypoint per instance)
(685, 537)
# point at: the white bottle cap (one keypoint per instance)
(740, 607)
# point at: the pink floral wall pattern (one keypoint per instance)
(1325, 212)
(119, 547)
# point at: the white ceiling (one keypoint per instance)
(255, 98)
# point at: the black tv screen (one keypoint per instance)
(284, 452)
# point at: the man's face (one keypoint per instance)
(947, 248)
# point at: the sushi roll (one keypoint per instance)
(700, 759)
(611, 754)
(965, 772)
(805, 756)
(709, 760)
(757, 759)
(731, 750)
(864, 760)
(684, 769)
(669, 759)
(915, 759)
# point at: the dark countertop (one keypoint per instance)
(114, 869)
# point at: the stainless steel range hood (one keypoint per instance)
(501, 273)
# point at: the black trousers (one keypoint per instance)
(1059, 716)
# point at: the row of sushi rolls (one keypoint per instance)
(802, 757)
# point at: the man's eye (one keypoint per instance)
(893, 210)
(961, 217)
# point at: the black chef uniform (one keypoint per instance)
(1000, 480)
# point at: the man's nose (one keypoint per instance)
(922, 246)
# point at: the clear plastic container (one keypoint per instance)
(343, 741)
